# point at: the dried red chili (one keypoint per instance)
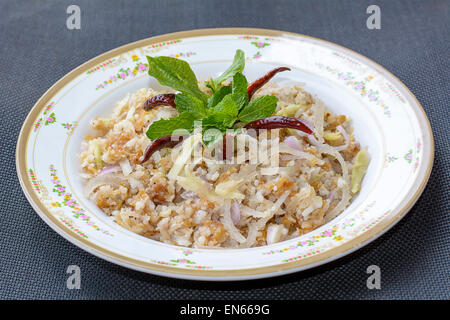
(160, 143)
(159, 100)
(255, 85)
(277, 122)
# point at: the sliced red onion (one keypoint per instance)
(235, 212)
(103, 179)
(110, 169)
(346, 137)
(302, 134)
(293, 143)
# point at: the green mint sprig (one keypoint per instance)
(228, 104)
(162, 128)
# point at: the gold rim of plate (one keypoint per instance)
(240, 274)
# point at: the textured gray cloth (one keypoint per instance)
(37, 49)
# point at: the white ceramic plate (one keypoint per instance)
(386, 116)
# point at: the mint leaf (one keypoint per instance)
(162, 128)
(239, 89)
(227, 106)
(175, 73)
(237, 66)
(258, 108)
(185, 103)
(223, 117)
(218, 95)
(219, 120)
(240, 83)
(220, 111)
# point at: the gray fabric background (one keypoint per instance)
(36, 49)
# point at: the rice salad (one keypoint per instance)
(200, 202)
(221, 205)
